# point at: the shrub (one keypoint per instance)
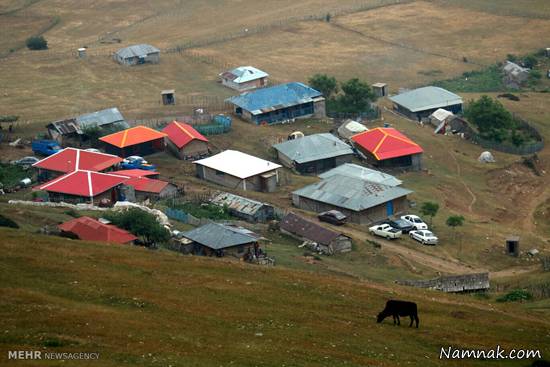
(37, 43)
(141, 224)
(71, 212)
(515, 296)
(7, 222)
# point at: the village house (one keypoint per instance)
(90, 229)
(313, 154)
(216, 239)
(139, 140)
(356, 171)
(137, 54)
(71, 159)
(244, 78)
(422, 102)
(140, 189)
(514, 75)
(350, 128)
(388, 148)
(82, 186)
(279, 103)
(184, 141)
(73, 130)
(329, 241)
(362, 201)
(239, 170)
(137, 173)
(244, 208)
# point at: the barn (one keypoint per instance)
(239, 170)
(313, 154)
(244, 208)
(216, 239)
(82, 186)
(388, 148)
(244, 78)
(184, 141)
(137, 54)
(422, 102)
(138, 140)
(72, 130)
(279, 103)
(331, 242)
(363, 201)
(90, 229)
(71, 159)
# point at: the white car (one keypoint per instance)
(415, 221)
(93, 150)
(424, 237)
(385, 230)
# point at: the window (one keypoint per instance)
(220, 173)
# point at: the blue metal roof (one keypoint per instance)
(274, 98)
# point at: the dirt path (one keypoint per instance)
(459, 175)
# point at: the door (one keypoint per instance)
(389, 208)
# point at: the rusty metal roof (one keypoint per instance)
(309, 230)
(238, 203)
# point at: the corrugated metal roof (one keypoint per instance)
(313, 147)
(386, 143)
(276, 97)
(90, 229)
(103, 117)
(238, 203)
(244, 74)
(140, 50)
(306, 229)
(426, 98)
(350, 128)
(219, 236)
(364, 173)
(351, 193)
(441, 114)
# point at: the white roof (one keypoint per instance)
(441, 114)
(247, 73)
(238, 164)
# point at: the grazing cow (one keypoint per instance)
(399, 308)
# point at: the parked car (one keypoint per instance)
(385, 230)
(401, 224)
(424, 237)
(415, 221)
(333, 217)
(26, 161)
(137, 162)
(45, 147)
(93, 150)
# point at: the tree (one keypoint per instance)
(141, 224)
(493, 121)
(37, 43)
(530, 61)
(324, 84)
(356, 96)
(429, 209)
(455, 221)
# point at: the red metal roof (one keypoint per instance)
(386, 143)
(146, 184)
(132, 136)
(135, 173)
(70, 159)
(83, 183)
(90, 229)
(182, 134)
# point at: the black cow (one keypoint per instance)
(399, 308)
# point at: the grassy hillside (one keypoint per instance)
(140, 307)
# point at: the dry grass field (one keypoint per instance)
(141, 308)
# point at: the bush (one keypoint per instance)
(7, 222)
(37, 43)
(71, 212)
(515, 296)
(141, 224)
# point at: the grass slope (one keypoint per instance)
(138, 307)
